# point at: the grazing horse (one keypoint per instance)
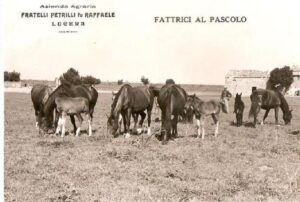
(171, 100)
(39, 95)
(131, 101)
(201, 109)
(69, 90)
(72, 106)
(267, 100)
(239, 109)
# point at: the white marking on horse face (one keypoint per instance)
(172, 117)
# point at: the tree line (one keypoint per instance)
(280, 78)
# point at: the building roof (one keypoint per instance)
(247, 73)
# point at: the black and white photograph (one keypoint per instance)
(150, 100)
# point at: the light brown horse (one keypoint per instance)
(202, 109)
(72, 106)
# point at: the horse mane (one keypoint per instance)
(117, 95)
(50, 103)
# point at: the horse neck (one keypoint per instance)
(50, 103)
(118, 101)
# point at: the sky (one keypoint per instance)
(131, 45)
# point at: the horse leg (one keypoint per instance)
(89, 119)
(149, 121)
(59, 125)
(198, 128)
(63, 122)
(202, 127)
(276, 115)
(265, 116)
(174, 126)
(36, 119)
(215, 118)
(80, 119)
(135, 119)
(73, 123)
(128, 116)
(120, 119)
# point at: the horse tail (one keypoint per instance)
(172, 102)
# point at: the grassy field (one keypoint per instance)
(241, 164)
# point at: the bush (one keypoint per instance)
(90, 80)
(170, 81)
(280, 78)
(120, 82)
(145, 80)
(12, 76)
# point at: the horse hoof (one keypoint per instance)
(139, 131)
(164, 142)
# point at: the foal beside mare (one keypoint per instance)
(72, 106)
(201, 109)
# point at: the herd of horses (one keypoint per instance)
(53, 106)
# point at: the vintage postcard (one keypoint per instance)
(150, 100)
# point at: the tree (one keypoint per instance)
(12, 76)
(120, 82)
(6, 76)
(145, 80)
(90, 80)
(170, 81)
(280, 79)
(72, 76)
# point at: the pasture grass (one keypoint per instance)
(241, 164)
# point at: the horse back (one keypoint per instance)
(173, 97)
(72, 105)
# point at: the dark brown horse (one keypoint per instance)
(171, 100)
(39, 95)
(201, 109)
(69, 90)
(239, 109)
(267, 100)
(131, 101)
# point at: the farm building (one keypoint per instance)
(242, 81)
(295, 87)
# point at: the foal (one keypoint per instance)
(72, 106)
(201, 109)
(239, 109)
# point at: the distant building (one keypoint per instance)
(242, 81)
(295, 87)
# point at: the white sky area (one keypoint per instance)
(132, 45)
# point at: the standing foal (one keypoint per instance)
(72, 106)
